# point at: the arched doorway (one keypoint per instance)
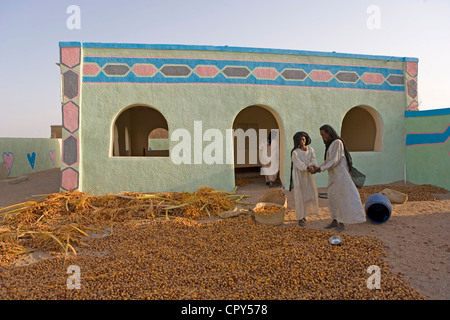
(255, 122)
(362, 129)
(140, 131)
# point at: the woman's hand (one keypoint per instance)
(313, 169)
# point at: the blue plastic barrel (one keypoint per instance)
(378, 208)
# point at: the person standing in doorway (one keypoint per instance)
(268, 151)
(344, 201)
(303, 159)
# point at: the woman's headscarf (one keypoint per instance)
(297, 138)
(333, 134)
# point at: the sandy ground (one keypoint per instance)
(416, 235)
(43, 182)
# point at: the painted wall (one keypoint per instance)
(71, 92)
(21, 156)
(428, 147)
(302, 90)
(159, 144)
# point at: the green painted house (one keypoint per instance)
(157, 118)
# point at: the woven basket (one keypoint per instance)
(274, 196)
(273, 219)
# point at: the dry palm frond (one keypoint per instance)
(60, 221)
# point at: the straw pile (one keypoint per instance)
(60, 221)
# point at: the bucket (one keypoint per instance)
(378, 208)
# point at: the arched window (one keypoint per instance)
(362, 129)
(134, 130)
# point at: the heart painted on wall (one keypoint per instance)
(31, 159)
(53, 156)
(8, 158)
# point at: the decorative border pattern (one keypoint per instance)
(163, 70)
(71, 87)
(411, 85)
(428, 138)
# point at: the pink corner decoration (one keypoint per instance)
(265, 73)
(206, 71)
(372, 78)
(414, 106)
(321, 75)
(71, 84)
(53, 156)
(411, 68)
(70, 116)
(8, 158)
(70, 56)
(69, 179)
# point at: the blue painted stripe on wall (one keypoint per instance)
(251, 79)
(238, 49)
(427, 138)
(70, 44)
(280, 66)
(427, 113)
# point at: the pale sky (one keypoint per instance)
(30, 99)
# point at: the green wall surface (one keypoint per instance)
(159, 144)
(428, 156)
(21, 156)
(303, 109)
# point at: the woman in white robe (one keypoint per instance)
(344, 201)
(305, 190)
